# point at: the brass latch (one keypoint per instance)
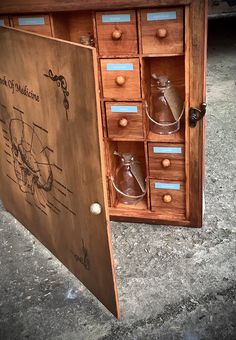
(196, 114)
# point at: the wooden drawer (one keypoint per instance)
(121, 78)
(168, 197)
(166, 161)
(162, 31)
(33, 23)
(117, 33)
(124, 120)
(4, 21)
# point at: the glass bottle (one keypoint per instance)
(129, 182)
(160, 110)
(87, 40)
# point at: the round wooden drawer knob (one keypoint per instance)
(116, 35)
(165, 163)
(123, 122)
(120, 80)
(161, 33)
(167, 198)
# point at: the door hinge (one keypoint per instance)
(196, 114)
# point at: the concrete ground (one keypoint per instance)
(174, 283)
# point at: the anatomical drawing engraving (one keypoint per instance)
(32, 167)
(61, 83)
(34, 172)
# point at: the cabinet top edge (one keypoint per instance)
(32, 6)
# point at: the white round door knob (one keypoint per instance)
(95, 209)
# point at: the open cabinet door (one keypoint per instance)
(51, 154)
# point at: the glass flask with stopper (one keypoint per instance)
(129, 181)
(166, 107)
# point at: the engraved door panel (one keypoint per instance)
(51, 154)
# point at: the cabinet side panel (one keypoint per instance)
(198, 36)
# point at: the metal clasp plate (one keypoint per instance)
(196, 114)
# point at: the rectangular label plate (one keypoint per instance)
(2, 22)
(116, 18)
(31, 21)
(120, 67)
(159, 16)
(161, 149)
(171, 186)
(131, 109)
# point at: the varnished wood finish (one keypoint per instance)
(59, 26)
(162, 36)
(27, 6)
(51, 171)
(187, 89)
(147, 216)
(79, 24)
(197, 68)
(177, 137)
(157, 161)
(124, 124)
(130, 88)
(168, 202)
(5, 20)
(44, 29)
(117, 38)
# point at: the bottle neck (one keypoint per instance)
(163, 88)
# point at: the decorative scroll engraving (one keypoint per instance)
(62, 83)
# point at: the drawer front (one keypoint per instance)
(120, 78)
(117, 33)
(166, 161)
(38, 24)
(162, 30)
(168, 197)
(124, 120)
(4, 21)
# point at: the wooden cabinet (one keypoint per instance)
(67, 110)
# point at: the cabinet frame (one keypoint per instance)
(195, 72)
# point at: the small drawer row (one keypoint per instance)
(124, 120)
(166, 161)
(121, 78)
(40, 24)
(168, 198)
(161, 31)
(167, 178)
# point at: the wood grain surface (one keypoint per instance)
(127, 44)
(131, 87)
(173, 42)
(175, 170)
(197, 70)
(134, 127)
(44, 29)
(51, 153)
(27, 6)
(175, 208)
